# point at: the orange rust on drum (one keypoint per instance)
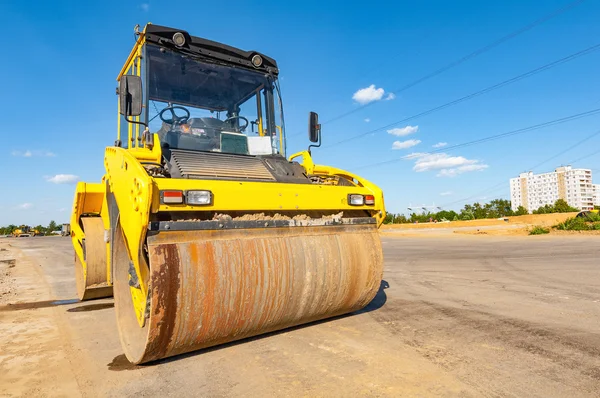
(207, 272)
(352, 288)
(195, 317)
(230, 276)
(165, 283)
(267, 304)
(248, 293)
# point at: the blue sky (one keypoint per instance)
(61, 60)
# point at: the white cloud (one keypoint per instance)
(25, 206)
(413, 155)
(367, 120)
(63, 179)
(28, 153)
(402, 131)
(447, 193)
(438, 161)
(448, 166)
(62, 209)
(368, 94)
(145, 7)
(440, 145)
(405, 144)
(390, 97)
(462, 169)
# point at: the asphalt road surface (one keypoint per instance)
(456, 316)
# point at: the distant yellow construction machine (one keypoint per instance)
(23, 232)
(201, 227)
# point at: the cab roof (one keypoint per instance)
(203, 48)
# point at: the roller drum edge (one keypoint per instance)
(92, 284)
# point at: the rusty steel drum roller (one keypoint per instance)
(213, 287)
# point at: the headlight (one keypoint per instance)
(257, 61)
(179, 39)
(200, 198)
(356, 200)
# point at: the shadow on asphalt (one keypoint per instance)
(55, 303)
(91, 307)
(120, 362)
(36, 304)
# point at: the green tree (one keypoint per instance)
(479, 211)
(521, 211)
(52, 226)
(546, 209)
(400, 219)
(489, 211)
(467, 213)
(8, 229)
(561, 206)
(445, 215)
(41, 229)
(500, 208)
(389, 218)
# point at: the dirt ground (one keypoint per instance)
(469, 316)
(509, 226)
(545, 220)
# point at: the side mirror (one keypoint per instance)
(130, 95)
(314, 128)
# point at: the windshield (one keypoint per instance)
(197, 105)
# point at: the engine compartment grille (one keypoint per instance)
(203, 165)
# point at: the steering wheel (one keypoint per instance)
(174, 118)
(242, 128)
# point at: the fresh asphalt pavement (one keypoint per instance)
(455, 316)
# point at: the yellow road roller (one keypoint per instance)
(201, 228)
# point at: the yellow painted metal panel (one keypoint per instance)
(88, 200)
(235, 195)
(132, 188)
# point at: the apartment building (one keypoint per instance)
(536, 190)
(596, 189)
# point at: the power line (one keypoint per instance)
(584, 157)
(530, 168)
(471, 55)
(493, 137)
(566, 150)
(477, 93)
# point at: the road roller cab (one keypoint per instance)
(201, 227)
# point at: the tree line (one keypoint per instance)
(496, 208)
(52, 226)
